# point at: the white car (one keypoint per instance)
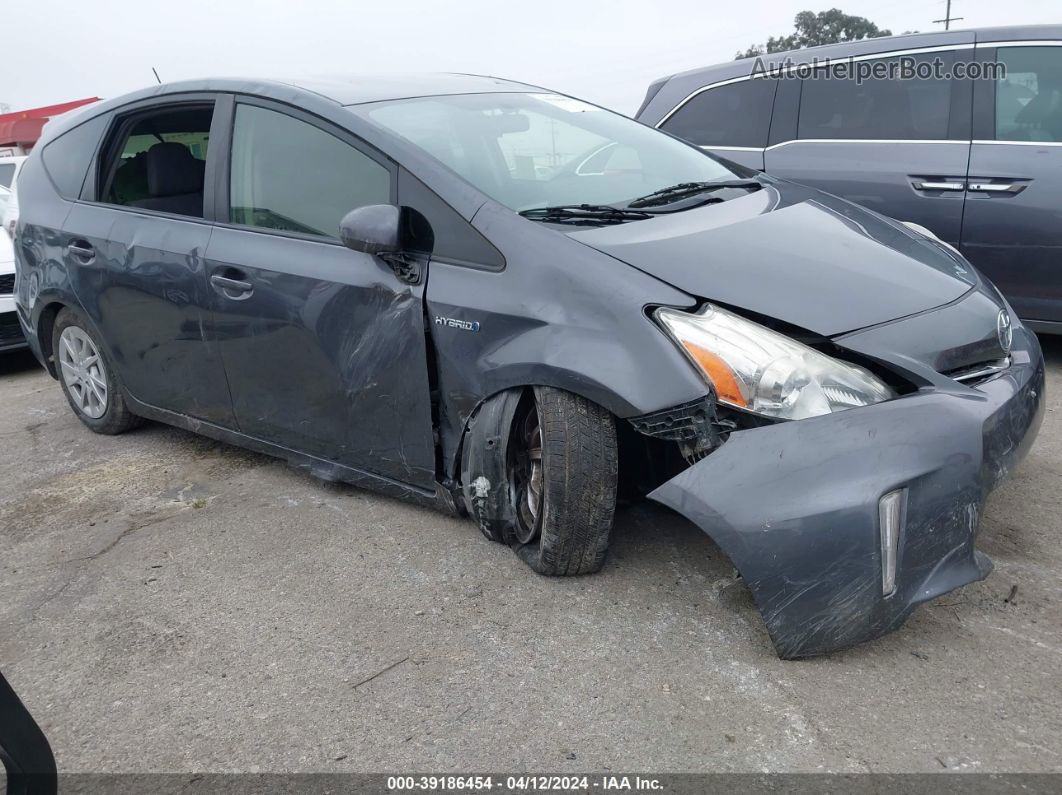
(9, 168)
(10, 331)
(9, 215)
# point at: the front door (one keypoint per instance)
(324, 347)
(896, 145)
(1012, 230)
(135, 256)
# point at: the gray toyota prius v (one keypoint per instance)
(502, 301)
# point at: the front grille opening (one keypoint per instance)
(978, 373)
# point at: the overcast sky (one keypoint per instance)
(606, 51)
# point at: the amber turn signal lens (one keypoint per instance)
(722, 377)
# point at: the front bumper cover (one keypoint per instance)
(795, 505)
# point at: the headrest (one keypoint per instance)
(172, 170)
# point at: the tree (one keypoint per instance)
(826, 27)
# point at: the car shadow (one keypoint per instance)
(1051, 344)
(17, 362)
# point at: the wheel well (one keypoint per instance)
(644, 462)
(44, 335)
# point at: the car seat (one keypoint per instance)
(174, 180)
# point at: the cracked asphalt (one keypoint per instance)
(168, 603)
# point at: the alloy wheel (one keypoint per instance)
(83, 372)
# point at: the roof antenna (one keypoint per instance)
(157, 78)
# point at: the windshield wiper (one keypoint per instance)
(684, 189)
(584, 214)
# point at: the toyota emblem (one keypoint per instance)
(1004, 330)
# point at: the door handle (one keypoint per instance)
(227, 287)
(998, 187)
(81, 251)
(930, 185)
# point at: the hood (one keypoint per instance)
(794, 254)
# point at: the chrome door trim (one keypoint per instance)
(850, 141)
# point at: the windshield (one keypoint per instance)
(543, 150)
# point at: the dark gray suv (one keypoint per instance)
(977, 161)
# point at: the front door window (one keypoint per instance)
(291, 176)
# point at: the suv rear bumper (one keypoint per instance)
(795, 505)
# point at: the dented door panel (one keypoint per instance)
(146, 291)
(326, 353)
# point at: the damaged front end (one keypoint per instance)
(841, 524)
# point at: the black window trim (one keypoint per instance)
(120, 119)
(223, 173)
(984, 100)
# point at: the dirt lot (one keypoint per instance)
(170, 603)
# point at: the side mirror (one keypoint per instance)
(373, 229)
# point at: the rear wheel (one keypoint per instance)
(562, 478)
(88, 380)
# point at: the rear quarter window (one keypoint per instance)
(67, 158)
(738, 114)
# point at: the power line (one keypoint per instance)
(948, 18)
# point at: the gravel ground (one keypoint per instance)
(168, 603)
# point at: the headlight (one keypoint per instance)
(751, 367)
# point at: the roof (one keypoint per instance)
(933, 38)
(341, 90)
(359, 89)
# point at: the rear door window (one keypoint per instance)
(7, 174)
(1029, 98)
(289, 175)
(158, 160)
(738, 114)
(885, 109)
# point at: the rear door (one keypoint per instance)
(134, 251)
(730, 118)
(1012, 230)
(896, 145)
(324, 347)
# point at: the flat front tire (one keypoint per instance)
(88, 379)
(562, 478)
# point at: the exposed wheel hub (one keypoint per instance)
(527, 478)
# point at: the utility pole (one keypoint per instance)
(948, 18)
